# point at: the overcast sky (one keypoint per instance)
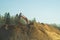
(46, 11)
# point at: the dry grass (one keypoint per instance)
(34, 31)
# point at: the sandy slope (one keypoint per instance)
(35, 31)
(52, 32)
(53, 35)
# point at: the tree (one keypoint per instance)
(0, 18)
(7, 18)
(34, 20)
(22, 19)
(20, 15)
(16, 19)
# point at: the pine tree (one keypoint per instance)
(7, 18)
(16, 19)
(20, 15)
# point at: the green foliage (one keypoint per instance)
(16, 19)
(34, 20)
(7, 18)
(23, 21)
(20, 15)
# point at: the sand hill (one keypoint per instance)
(34, 31)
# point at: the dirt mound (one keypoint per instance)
(34, 31)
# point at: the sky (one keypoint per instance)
(46, 11)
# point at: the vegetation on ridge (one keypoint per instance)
(20, 28)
